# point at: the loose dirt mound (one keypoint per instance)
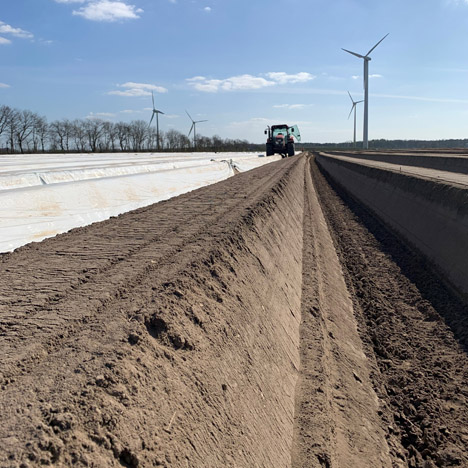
(165, 337)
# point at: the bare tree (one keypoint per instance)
(79, 135)
(217, 143)
(39, 133)
(204, 143)
(60, 134)
(109, 136)
(24, 128)
(138, 134)
(11, 128)
(122, 134)
(172, 139)
(94, 129)
(27, 130)
(5, 113)
(42, 130)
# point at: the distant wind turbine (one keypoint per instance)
(353, 108)
(194, 128)
(157, 112)
(366, 59)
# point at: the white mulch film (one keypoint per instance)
(44, 195)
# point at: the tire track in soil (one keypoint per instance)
(422, 374)
(336, 418)
(44, 301)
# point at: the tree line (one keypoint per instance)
(23, 131)
(390, 144)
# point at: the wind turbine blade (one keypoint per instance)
(357, 102)
(152, 117)
(198, 121)
(190, 117)
(353, 53)
(152, 96)
(351, 111)
(368, 53)
(352, 100)
(158, 111)
(191, 128)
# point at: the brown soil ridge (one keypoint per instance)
(164, 337)
(410, 324)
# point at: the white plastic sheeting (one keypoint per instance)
(43, 195)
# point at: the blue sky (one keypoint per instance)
(241, 64)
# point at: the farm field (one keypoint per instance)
(267, 320)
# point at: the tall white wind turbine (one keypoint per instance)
(366, 59)
(157, 112)
(194, 128)
(353, 108)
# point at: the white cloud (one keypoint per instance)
(355, 77)
(246, 82)
(100, 116)
(137, 89)
(207, 9)
(71, 1)
(4, 85)
(130, 111)
(284, 78)
(241, 82)
(16, 32)
(108, 10)
(290, 106)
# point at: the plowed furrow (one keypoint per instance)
(423, 369)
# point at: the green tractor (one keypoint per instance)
(281, 140)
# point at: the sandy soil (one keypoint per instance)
(266, 321)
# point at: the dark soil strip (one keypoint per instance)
(403, 310)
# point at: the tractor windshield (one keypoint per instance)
(277, 131)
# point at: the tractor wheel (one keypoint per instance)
(269, 150)
(291, 151)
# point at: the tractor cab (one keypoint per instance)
(281, 139)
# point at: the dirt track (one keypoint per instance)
(261, 322)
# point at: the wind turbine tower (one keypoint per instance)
(353, 108)
(194, 128)
(366, 59)
(156, 112)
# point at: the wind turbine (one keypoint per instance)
(194, 128)
(367, 59)
(353, 107)
(157, 112)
